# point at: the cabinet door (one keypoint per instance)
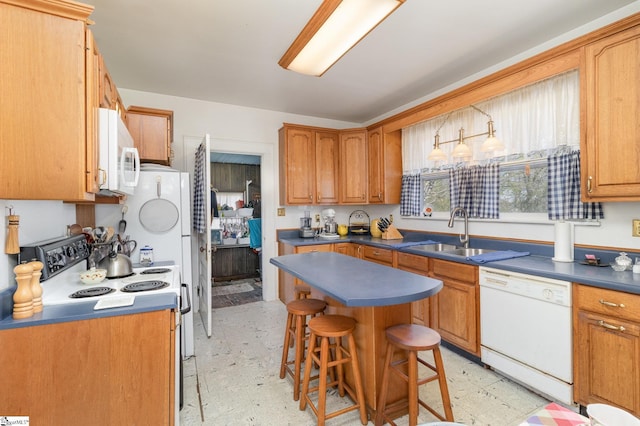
(607, 355)
(151, 130)
(107, 87)
(297, 166)
(454, 311)
(611, 104)
(326, 164)
(94, 176)
(353, 167)
(418, 265)
(109, 371)
(43, 136)
(385, 166)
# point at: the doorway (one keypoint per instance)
(236, 276)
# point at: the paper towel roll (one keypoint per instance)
(563, 246)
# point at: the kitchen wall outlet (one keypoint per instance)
(317, 217)
(635, 231)
(280, 211)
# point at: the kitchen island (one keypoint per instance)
(376, 296)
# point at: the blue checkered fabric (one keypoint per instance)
(476, 189)
(410, 196)
(199, 184)
(563, 192)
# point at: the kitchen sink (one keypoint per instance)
(437, 247)
(466, 252)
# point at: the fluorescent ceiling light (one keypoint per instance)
(336, 27)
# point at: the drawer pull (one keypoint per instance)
(610, 327)
(611, 304)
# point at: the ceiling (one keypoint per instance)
(228, 51)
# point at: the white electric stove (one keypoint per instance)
(66, 287)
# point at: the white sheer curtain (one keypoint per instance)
(540, 116)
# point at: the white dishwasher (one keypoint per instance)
(525, 330)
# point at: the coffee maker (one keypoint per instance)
(306, 231)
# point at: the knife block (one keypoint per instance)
(391, 233)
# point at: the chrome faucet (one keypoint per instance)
(464, 240)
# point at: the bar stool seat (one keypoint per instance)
(325, 328)
(296, 334)
(412, 338)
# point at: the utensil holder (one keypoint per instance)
(391, 233)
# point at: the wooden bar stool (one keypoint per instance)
(302, 291)
(412, 338)
(325, 328)
(296, 333)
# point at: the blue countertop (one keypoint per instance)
(539, 262)
(84, 311)
(356, 282)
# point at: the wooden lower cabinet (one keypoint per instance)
(348, 249)
(455, 312)
(606, 346)
(418, 265)
(231, 263)
(108, 371)
(287, 282)
(378, 255)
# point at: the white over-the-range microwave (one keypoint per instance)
(119, 159)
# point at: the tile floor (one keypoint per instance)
(233, 379)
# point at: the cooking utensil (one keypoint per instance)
(122, 225)
(158, 215)
(110, 232)
(117, 264)
(75, 229)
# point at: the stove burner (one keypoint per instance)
(144, 286)
(92, 292)
(155, 271)
(121, 276)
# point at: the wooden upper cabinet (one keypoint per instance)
(610, 101)
(326, 159)
(308, 165)
(297, 165)
(46, 154)
(385, 166)
(108, 93)
(92, 72)
(152, 133)
(353, 166)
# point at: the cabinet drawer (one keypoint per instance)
(314, 248)
(608, 302)
(379, 255)
(457, 271)
(413, 262)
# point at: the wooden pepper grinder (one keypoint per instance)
(23, 298)
(36, 288)
(12, 246)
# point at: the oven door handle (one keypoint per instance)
(188, 307)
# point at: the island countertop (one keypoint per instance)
(356, 282)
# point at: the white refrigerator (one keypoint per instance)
(159, 215)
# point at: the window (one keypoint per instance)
(532, 122)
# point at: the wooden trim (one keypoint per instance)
(65, 8)
(554, 61)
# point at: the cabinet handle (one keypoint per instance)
(589, 189)
(610, 327)
(380, 196)
(310, 197)
(611, 304)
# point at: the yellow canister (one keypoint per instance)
(375, 231)
(343, 230)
